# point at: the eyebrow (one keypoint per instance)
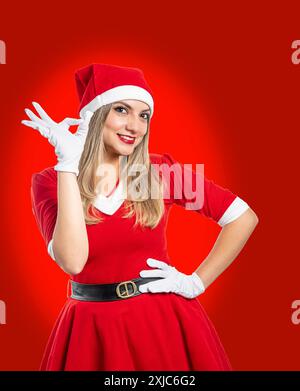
(129, 107)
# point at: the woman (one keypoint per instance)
(129, 308)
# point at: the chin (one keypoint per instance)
(126, 150)
(127, 154)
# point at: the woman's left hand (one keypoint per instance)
(189, 286)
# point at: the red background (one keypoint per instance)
(226, 94)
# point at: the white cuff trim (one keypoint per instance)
(235, 210)
(50, 249)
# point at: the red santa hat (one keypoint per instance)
(100, 84)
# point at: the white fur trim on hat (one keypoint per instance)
(118, 93)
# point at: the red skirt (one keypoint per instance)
(149, 332)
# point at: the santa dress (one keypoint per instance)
(151, 331)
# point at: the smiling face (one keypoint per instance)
(125, 127)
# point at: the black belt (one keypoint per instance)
(108, 292)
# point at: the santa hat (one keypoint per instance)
(100, 84)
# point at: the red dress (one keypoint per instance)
(152, 331)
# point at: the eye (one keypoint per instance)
(120, 107)
(123, 108)
(147, 116)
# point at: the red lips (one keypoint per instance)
(126, 140)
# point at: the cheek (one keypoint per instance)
(112, 126)
(108, 135)
(114, 123)
(144, 134)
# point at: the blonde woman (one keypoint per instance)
(129, 308)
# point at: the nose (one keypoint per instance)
(133, 124)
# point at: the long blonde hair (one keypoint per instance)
(149, 211)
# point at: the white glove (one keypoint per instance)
(68, 146)
(189, 286)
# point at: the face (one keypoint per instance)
(126, 118)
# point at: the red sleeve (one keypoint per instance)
(206, 198)
(44, 202)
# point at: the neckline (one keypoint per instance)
(117, 185)
(113, 190)
(110, 203)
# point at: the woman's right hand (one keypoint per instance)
(68, 146)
